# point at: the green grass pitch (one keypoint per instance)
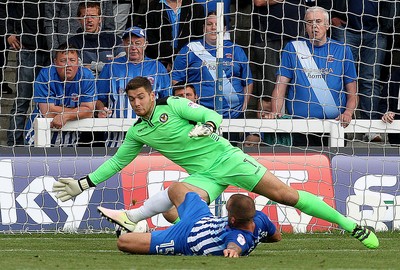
(295, 251)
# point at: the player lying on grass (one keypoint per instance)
(201, 233)
(169, 126)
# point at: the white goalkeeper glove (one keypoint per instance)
(202, 130)
(67, 188)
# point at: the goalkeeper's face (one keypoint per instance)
(142, 102)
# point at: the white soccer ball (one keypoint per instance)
(141, 227)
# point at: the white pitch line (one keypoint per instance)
(323, 251)
(57, 250)
(49, 238)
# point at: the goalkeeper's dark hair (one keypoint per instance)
(242, 208)
(138, 82)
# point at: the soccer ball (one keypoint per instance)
(141, 227)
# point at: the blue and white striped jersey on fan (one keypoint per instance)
(112, 82)
(196, 63)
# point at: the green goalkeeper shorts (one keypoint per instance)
(234, 168)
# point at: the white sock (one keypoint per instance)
(156, 204)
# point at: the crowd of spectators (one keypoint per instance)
(283, 70)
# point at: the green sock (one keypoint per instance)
(313, 206)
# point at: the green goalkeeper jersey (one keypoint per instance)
(167, 132)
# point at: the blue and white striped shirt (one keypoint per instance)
(210, 235)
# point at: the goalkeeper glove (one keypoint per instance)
(67, 188)
(202, 130)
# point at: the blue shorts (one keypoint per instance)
(174, 239)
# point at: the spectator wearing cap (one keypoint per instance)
(185, 90)
(97, 46)
(112, 100)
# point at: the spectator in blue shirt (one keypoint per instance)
(319, 76)
(64, 91)
(196, 63)
(113, 101)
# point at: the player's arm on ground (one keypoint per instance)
(276, 237)
(267, 228)
(232, 250)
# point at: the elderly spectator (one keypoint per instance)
(113, 101)
(319, 76)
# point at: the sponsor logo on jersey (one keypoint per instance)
(212, 65)
(317, 73)
(75, 97)
(193, 105)
(163, 118)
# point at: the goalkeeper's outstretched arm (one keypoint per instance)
(67, 188)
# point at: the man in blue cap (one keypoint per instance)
(112, 100)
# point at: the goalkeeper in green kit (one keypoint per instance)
(184, 132)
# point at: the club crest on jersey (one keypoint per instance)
(75, 97)
(241, 240)
(163, 118)
(228, 55)
(193, 105)
(151, 80)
